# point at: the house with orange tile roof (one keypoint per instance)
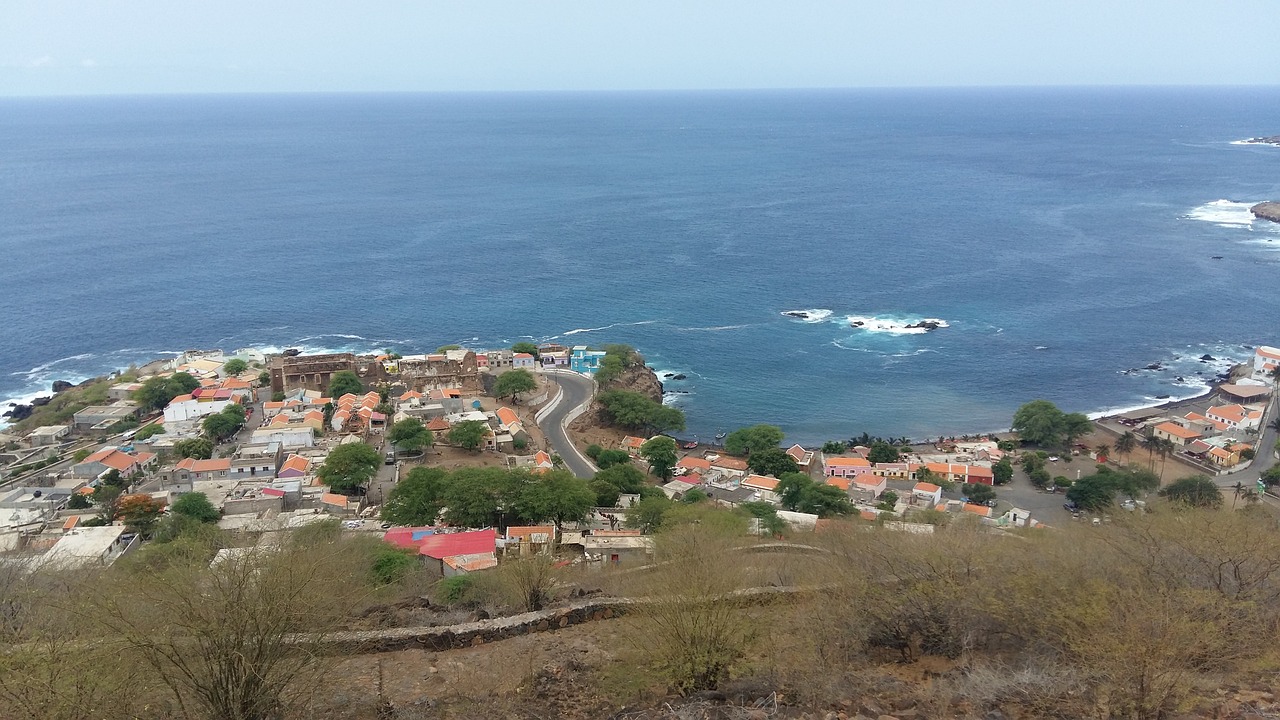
(111, 458)
(730, 466)
(691, 463)
(892, 471)
(979, 475)
(980, 510)
(1265, 361)
(1175, 433)
(337, 504)
(542, 462)
(295, 466)
(846, 467)
(927, 492)
(438, 425)
(1236, 417)
(841, 482)
(869, 486)
(522, 361)
(763, 484)
(526, 540)
(632, 444)
(1201, 424)
(508, 420)
(803, 458)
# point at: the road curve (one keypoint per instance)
(577, 393)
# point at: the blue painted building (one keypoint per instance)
(585, 361)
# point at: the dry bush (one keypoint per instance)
(525, 584)
(52, 664)
(690, 623)
(238, 641)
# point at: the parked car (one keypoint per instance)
(1071, 506)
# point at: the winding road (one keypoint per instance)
(576, 394)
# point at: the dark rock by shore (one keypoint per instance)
(1266, 211)
(18, 412)
(926, 324)
(60, 385)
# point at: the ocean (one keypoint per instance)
(1066, 237)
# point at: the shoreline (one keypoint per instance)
(1096, 415)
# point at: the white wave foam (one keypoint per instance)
(815, 315)
(42, 368)
(1252, 142)
(717, 328)
(893, 326)
(1224, 213)
(577, 331)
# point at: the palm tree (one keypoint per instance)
(1151, 444)
(1167, 448)
(1104, 451)
(1238, 490)
(1126, 443)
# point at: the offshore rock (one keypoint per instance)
(1266, 211)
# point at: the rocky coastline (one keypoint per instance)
(1267, 211)
(1270, 140)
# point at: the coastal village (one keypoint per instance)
(264, 473)
(470, 498)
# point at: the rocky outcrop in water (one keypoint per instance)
(1271, 140)
(1266, 211)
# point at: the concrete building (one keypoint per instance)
(101, 417)
(83, 547)
(48, 435)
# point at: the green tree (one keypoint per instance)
(834, 447)
(1002, 471)
(344, 382)
(1041, 477)
(626, 478)
(767, 514)
(824, 501)
(1194, 491)
(106, 497)
(391, 564)
(1074, 427)
(1040, 422)
(196, 506)
(235, 366)
(513, 382)
(468, 434)
(417, 499)
(883, 452)
(607, 493)
(349, 467)
(660, 453)
(694, 496)
(222, 425)
(557, 496)
(593, 451)
(979, 493)
(888, 500)
(80, 455)
(608, 458)
(157, 391)
(196, 448)
(447, 348)
(772, 461)
(635, 411)
(410, 434)
(647, 515)
(148, 431)
(78, 502)
(1092, 493)
(1126, 443)
(264, 379)
(756, 438)
(476, 497)
(526, 347)
(791, 488)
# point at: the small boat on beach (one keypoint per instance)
(721, 434)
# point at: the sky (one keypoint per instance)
(76, 47)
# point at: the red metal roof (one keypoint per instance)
(463, 543)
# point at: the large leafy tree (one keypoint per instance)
(349, 467)
(197, 448)
(525, 347)
(344, 382)
(608, 458)
(557, 496)
(222, 425)
(513, 382)
(979, 493)
(468, 434)
(477, 497)
(883, 452)
(635, 411)
(1092, 493)
(418, 498)
(197, 506)
(1002, 471)
(648, 515)
(824, 501)
(1040, 422)
(756, 438)
(660, 453)
(156, 392)
(772, 461)
(1194, 491)
(615, 480)
(234, 366)
(409, 434)
(139, 512)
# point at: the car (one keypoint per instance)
(1070, 506)
(390, 458)
(1054, 458)
(352, 524)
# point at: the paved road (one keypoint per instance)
(577, 392)
(1265, 447)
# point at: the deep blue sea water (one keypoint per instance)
(1065, 235)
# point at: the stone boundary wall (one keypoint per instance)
(481, 632)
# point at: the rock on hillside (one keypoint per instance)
(1266, 211)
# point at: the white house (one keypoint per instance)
(185, 408)
(927, 492)
(1236, 417)
(1265, 360)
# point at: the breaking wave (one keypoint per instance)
(816, 315)
(895, 326)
